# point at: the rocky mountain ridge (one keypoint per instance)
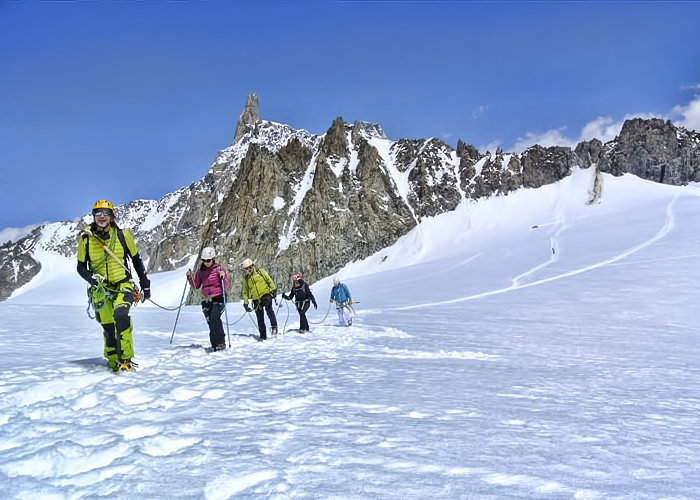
(295, 201)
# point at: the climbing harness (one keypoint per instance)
(136, 294)
(97, 294)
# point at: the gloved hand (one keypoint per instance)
(331, 301)
(95, 280)
(350, 302)
(247, 307)
(145, 287)
(315, 305)
(189, 273)
(273, 293)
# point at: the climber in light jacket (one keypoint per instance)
(259, 287)
(340, 294)
(212, 278)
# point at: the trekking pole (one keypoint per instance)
(178, 309)
(228, 332)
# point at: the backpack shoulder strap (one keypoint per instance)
(127, 252)
(264, 277)
(122, 240)
(86, 242)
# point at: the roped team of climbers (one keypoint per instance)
(104, 252)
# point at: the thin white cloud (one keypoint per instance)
(554, 137)
(690, 114)
(602, 128)
(479, 110)
(491, 146)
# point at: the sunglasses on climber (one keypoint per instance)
(102, 212)
(207, 260)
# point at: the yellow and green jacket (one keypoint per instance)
(94, 259)
(257, 284)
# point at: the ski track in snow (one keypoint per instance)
(663, 231)
(554, 243)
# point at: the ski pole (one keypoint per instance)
(228, 332)
(178, 310)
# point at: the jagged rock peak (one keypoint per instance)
(335, 142)
(249, 117)
(654, 149)
(368, 129)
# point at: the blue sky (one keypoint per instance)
(129, 100)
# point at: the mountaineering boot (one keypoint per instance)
(126, 365)
(273, 331)
(349, 321)
(219, 347)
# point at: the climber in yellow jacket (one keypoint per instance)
(258, 286)
(104, 251)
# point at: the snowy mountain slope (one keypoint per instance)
(480, 365)
(294, 200)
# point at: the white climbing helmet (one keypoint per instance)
(208, 253)
(336, 281)
(247, 263)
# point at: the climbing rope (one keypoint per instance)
(254, 322)
(324, 318)
(168, 308)
(286, 320)
(238, 320)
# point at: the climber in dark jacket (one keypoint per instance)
(303, 298)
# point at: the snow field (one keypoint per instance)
(483, 367)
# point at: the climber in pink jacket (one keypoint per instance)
(213, 280)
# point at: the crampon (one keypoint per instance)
(126, 365)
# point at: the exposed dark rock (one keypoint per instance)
(656, 150)
(542, 166)
(249, 118)
(17, 266)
